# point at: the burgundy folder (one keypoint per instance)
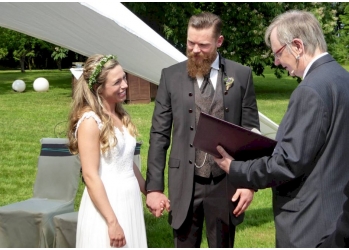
(242, 144)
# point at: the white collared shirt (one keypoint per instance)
(311, 63)
(213, 74)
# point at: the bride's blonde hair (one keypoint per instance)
(86, 98)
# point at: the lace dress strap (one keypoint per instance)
(87, 115)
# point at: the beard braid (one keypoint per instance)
(202, 67)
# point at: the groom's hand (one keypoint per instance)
(156, 201)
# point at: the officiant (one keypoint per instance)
(309, 166)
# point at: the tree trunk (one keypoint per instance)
(59, 64)
(29, 65)
(22, 62)
(33, 66)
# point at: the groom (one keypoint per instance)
(198, 188)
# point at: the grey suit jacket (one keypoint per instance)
(340, 237)
(309, 167)
(174, 114)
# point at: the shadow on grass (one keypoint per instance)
(159, 232)
(256, 218)
(5, 88)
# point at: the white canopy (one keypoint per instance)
(94, 27)
(104, 27)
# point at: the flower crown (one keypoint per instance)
(93, 78)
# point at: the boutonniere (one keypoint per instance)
(228, 81)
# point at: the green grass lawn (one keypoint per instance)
(29, 116)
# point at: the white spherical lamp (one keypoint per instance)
(40, 84)
(18, 85)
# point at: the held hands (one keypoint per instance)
(116, 235)
(224, 162)
(245, 197)
(157, 202)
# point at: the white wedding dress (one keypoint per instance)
(121, 185)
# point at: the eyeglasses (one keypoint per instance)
(277, 54)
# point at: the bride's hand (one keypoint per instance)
(116, 235)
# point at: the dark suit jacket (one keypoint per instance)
(340, 237)
(175, 113)
(309, 167)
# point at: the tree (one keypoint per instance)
(244, 25)
(27, 50)
(58, 54)
(3, 53)
(22, 45)
(340, 46)
(21, 54)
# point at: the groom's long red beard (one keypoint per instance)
(199, 64)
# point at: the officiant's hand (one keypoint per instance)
(224, 162)
(156, 202)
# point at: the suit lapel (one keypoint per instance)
(325, 59)
(226, 99)
(188, 91)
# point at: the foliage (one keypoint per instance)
(21, 53)
(243, 29)
(22, 45)
(3, 52)
(29, 50)
(58, 54)
(340, 46)
(93, 78)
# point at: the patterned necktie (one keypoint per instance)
(206, 88)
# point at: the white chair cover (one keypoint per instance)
(29, 223)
